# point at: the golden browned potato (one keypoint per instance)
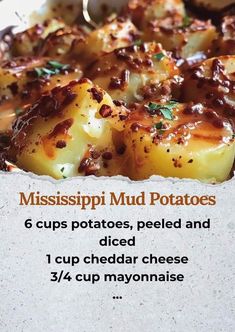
(27, 42)
(213, 82)
(69, 132)
(185, 40)
(142, 12)
(61, 42)
(24, 79)
(225, 43)
(178, 140)
(115, 34)
(135, 72)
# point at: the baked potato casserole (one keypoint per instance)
(149, 91)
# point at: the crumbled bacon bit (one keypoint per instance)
(105, 111)
(119, 103)
(123, 117)
(177, 163)
(135, 127)
(115, 83)
(88, 167)
(61, 144)
(107, 155)
(96, 94)
(83, 165)
(122, 55)
(120, 83)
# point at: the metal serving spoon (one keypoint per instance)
(86, 15)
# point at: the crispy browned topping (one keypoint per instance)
(61, 144)
(96, 94)
(105, 111)
(49, 105)
(88, 167)
(120, 83)
(61, 128)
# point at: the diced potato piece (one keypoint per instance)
(115, 34)
(185, 41)
(142, 11)
(61, 42)
(214, 5)
(178, 140)
(69, 132)
(132, 73)
(213, 82)
(225, 43)
(27, 42)
(22, 81)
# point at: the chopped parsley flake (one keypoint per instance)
(52, 68)
(166, 110)
(138, 42)
(167, 113)
(158, 125)
(233, 136)
(159, 56)
(18, 111)
(153, 106)
(160, 128)
(186, 21)
(57, 65)
(62, 170)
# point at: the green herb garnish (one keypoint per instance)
(159, 56)
(38, 71)
(158, 125)
(167, 113)
(18, 111)
(138, 42)
(57, 65)
(152, 106)
(62, 171)
(46, 72)
(186, 21)
(52, 68)
(233, 136)
(166, 109)
(50, 71)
